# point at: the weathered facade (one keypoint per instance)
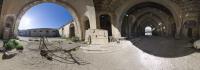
(68, 30)
(127, 18)
(39, 32)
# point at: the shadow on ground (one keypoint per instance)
(164, 47)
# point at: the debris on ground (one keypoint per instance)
(50, 55)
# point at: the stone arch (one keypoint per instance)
(172, 7)
(156, 15)
(161, 15)
(159, 18)
(112, 21)
(71, 9)
(141, 23)
(153, 15)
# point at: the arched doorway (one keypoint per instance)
(191, 25)
(71, 30)
(87, 24)
(148, 31)
(105, 23)
(148, 14)
(189, 33)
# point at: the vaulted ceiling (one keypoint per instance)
(106, 5)
(109, 5)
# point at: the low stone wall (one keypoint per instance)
(96, 36)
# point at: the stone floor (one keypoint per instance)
(154, 53)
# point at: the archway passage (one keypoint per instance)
(148, 14)
(105, 23)
(160, 23)
(148, 31)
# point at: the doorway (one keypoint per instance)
(105, 23)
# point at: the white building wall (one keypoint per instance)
(64, 31)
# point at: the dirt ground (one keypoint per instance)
(154, 53)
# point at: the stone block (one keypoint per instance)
(96, 36)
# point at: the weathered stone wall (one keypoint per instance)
(182, 10)
(38, 32)
(82, 10)
(65, 31)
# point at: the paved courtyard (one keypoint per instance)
(154, 53)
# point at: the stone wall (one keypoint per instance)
(65, 31)
(39, 32)
(182, 10)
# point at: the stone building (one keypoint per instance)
(121, 18)
(38, 32)
(67, 30)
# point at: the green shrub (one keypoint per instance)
(12, 44)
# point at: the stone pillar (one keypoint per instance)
(6, 33)
(92, 17)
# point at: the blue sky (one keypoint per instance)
(45, 15)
